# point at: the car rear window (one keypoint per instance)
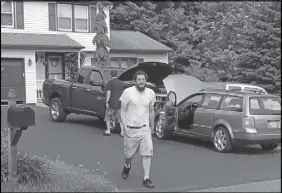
(265, 105)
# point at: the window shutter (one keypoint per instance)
(93, 13)
(19, 14)
(52, 17)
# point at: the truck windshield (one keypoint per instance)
(265, 105)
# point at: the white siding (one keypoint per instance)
(87, 61)
(37, 21)
(30, 71)
(163, 57)
(36, 18)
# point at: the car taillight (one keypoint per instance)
(249, 124)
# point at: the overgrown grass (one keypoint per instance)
(37, 174)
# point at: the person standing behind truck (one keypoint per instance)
(114, 89)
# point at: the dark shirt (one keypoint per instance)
(116, 87)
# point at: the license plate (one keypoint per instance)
(274, 124)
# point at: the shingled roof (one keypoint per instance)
(127, 40)
(28, 40)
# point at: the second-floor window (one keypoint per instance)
(7, 14)
(81, 18)
(64, 17)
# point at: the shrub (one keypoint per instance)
(37, 174)
(71, 64)
(29, 169)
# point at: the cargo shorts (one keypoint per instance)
(112, 114)
(135, 139)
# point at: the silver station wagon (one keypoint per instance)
(226, 118)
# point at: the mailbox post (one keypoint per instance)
(18, 119)
(12, 149)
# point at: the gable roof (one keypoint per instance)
(128, 40)
(29, 40)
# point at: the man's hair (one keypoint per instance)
(114, 73)
(140, 72)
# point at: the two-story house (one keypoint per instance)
(35, 35)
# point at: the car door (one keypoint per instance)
(207, 114)
(170, 112)
(188, 112)
(95, 95)
(78, 90)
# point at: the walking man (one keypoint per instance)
(137, 115)
(114, 90)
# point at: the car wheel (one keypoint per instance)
(269, 146)
(57, 111)
(221, 140)
(159, 129)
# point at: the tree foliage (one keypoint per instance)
(70, 61)
(101, 40)
(232, 41)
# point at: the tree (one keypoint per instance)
(233, 41)
(101, 40)
(70, 60)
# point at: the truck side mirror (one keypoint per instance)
(20, 117)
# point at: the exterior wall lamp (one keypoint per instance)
(29, 62)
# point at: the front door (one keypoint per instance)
(78, 91)
(55, 69)
(170, 113)
(94, 95)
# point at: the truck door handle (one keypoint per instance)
(74, 87)
(87, 89)
(212, 116)
(99, 98)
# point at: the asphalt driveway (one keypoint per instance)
(178, 164)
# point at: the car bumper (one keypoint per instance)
(256, 138)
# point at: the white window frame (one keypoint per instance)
(13, 16)
(58, 9)
(80, 30)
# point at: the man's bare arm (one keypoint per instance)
(123, 114)
(152, 117)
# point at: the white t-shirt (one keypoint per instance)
(138, 103)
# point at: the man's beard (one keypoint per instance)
(141, 89)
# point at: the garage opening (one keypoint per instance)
(12, 77)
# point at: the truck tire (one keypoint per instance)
(56, 110)
(269, 146)
(160, 133)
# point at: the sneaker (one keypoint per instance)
(125, 171)
(106, 134)
(148, 183)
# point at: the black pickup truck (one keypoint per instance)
(86, 95)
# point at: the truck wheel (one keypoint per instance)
(221, 140)
(269, 146)
(159, 129)
(57, 111)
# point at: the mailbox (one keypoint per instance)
(21, 117)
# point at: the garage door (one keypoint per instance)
(12, 77)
